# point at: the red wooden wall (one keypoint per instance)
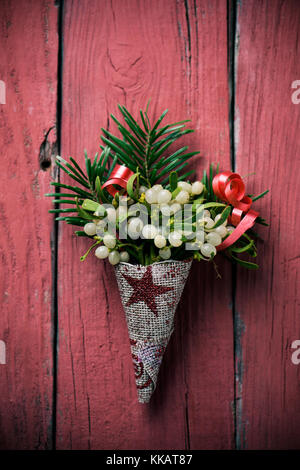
(227, 380)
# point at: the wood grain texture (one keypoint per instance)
(28, 49)
(127, 51)
(227, 379)
(267, 303)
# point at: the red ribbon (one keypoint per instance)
(120, 176)
(230, 188)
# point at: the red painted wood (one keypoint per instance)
(174, 52)
(28, 49)
(267, 121)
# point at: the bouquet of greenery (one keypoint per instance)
(136, 202)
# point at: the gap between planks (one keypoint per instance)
(55, 232)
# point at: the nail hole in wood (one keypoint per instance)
(46, 151)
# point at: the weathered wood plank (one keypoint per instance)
(267, 305)
(174, 52)
(28, 49)
(205, 314)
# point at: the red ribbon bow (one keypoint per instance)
(230, 188)
(120, 176)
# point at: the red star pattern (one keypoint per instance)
(144, 290)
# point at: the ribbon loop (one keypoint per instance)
(230, 188)
(120, 176)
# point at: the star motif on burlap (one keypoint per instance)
(144, 290)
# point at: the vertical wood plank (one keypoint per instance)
(205, 313)
(174, 52)
(267, 305)
(28, 49)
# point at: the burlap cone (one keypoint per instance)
(150, 295)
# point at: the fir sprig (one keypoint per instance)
(88, 186)
(144, 146)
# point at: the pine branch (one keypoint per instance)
(145, 146)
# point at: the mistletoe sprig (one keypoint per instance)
(158, 182)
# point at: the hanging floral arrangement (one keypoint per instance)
(146, 214)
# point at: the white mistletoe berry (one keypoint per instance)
(197, 188)
(149, 231)
(208, 250)
(175, 238)
(160, 241)
(151, 196)
(90, 229)
(124, 256)
(182, 197)
(213, 238)
(109, 240)
(164, 196)
(208, 223)
(114, 257)
(221, 230)
(102, 252)
(165, 253)
(185, 186)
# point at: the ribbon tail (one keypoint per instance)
(247, 222)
